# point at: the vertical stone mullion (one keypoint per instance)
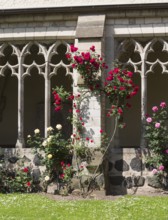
(20, 140)
(47, 99)
(143, 98)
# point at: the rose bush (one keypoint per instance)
(157, 138)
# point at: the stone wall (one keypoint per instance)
(128, 173)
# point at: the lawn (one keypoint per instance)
(38, 207)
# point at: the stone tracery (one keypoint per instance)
(21, 69)
(143, 66)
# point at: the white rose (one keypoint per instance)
(47, 178)
(37, 131)
(44, 143)
(50, 138)
(29, 136)
(72, 136)
(58, 127)
(49, 129)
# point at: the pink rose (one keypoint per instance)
(154, 171)
(166, 151)
(161, 167)
(155, 109)
(163, 104)
(149, 120)
(157, 125)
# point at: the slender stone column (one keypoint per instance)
(143, 109)
(20, 139)
(47, 100)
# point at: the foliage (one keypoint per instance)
(35, 206)
(157, 138)
(52, 150)
(16, 180)
(118, 86)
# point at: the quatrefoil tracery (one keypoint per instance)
(145, 66)
(46, 68)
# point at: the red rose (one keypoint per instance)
(28, 184)
(26, 170)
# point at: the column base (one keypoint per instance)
(20, 143)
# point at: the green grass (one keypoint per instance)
(38, 207)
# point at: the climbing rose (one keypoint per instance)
(149, 120)
(154, 171)
(157, 125)
(155, 109)
(28, 184)
(25, 170)
(163, 104)
(161, 167)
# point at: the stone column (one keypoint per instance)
(47, 107)
(20, 139)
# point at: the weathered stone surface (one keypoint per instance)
(76, 192)
(154, 181)
(116, 180)
(110, 166)
(137, 165)
(37, 160)
(139, 181)
(75, 183)
(134, 181)
(121, 165)
(100, 181)
(129, 183)
(52, 188)
(36, 175)
(13, 159)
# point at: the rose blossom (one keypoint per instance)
(149, 120)
(163, 104)
(58, 126)
(154, 171)
(161, 167)
(157, 125)
(49, 129)
(166, 151)
(44, 144)
(49, 156)
(155, 109)
(46, 178)
(37, 131)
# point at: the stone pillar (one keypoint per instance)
(20, 139)
(47, 101)
(90, 31)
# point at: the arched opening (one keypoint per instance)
(60, 117)
(157, 89)
(34, 102)
(131, 134)
(8, 109)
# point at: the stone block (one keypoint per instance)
(121, 165)
(159, 30)
(154, 181)
(153, 20)
(137, 164)
(90, 26)
(117, 180)
(52, 188)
